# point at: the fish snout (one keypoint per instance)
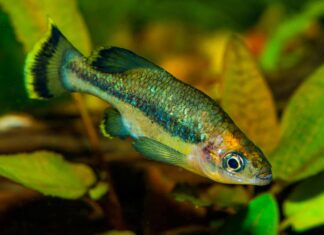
(264, 177)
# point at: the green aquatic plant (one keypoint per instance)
(261, 216)
(48, 173)
(294, 143)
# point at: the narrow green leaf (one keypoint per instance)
(190, 194)
(99, 190)
(301, 149)
(288, 29)
(48, 173)
(246, 96)
(30, 19)
(260, 217)
(181, 197)
(304, 207)
(227, 196)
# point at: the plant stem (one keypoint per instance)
(284, 224)
(90, 130)
(112, 205)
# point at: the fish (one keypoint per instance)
(168, 120)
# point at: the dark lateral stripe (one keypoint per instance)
(154, 112)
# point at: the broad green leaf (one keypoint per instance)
(300, 152)
(30, 19)
(48, 173)
(304, 207)
(288, 29)
(260, 217)
(246, 96)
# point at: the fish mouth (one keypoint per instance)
(263, 178)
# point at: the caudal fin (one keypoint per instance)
(43, 65)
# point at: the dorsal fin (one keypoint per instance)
(118, 60)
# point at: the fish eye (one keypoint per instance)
(233, 161)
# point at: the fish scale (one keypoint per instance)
(186, 121)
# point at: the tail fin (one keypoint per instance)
(44, 63)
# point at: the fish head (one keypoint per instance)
(232, 158)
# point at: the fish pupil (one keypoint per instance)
(233, 163)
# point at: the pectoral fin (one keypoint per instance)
(157, 151)
(112, 124)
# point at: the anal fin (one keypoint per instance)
(112, 124)
(157, 151)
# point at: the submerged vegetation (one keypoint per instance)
(263, 63)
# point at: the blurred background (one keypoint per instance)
(261, 60)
